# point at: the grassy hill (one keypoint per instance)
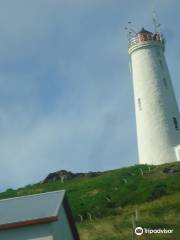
(106, 206)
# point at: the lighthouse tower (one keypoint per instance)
(157, 114)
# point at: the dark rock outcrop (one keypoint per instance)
(172, 169)
(64, 175)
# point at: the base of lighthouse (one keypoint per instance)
(177, 151)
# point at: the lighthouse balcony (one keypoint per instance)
(142, 39)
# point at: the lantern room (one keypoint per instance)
(143, 38)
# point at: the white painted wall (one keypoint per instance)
(177, 151)
(52, 231)
(61, 229)
(36, 232)
(155, 105)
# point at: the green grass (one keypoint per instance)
(112, 198)
(160, 213)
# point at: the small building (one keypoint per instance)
(45, 216)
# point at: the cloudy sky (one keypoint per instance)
(66, 96)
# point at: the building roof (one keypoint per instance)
(143, 31)
(31, 208)
(35, 209)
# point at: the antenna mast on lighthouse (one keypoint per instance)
(155, 21)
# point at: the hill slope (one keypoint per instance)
(105, 206)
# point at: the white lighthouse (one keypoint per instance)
(157, 114)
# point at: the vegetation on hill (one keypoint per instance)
(108, 205)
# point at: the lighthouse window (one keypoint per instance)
(161, 64)
(139, 104)
(165, 82)
(175, 123)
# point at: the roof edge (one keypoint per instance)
(28, 223)
(60, 203)
(33, 195)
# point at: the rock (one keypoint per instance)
(174, 169)
(64, 175)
